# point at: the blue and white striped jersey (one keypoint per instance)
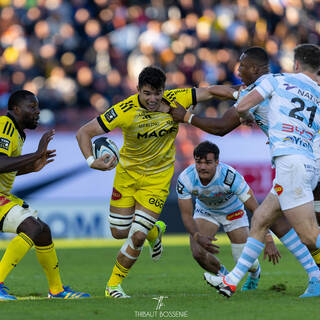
(221, 195)
(294, 113)
(260, 111)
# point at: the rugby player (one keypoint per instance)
(294, 121)
(16, 216)
(254, 66)
(143, 175)
(221, 194)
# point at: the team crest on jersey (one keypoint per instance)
(235, 215)
(195, 193)
(4, 143)
(3, 200)
(116, 195)
(110, 115)
(229, 179)
(278, 189)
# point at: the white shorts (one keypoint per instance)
(15, 216)
(318, 168)
(232, 221)
(296, 177)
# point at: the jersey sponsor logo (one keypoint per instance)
(309, 96)
(156, 134)
(156, 202)
(180, 187)
(116, 195)
(298, 141)
(294, 129)
(229, 179)
(235, 215)
(110, 115)
(195, 192)
(202, 211)
(4, 143)
(288, 87)
(4, 200)
(278, 189)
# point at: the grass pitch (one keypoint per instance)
(85, 266)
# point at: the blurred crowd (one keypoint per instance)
(82, 56)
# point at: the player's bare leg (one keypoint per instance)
(204, 258)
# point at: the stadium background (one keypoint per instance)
(80, 57)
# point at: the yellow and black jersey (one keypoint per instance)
(148, 136)
(11, 142)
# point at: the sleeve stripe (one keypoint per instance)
(8, 131)
(194, 96)
(12, 131)
(5, 127)
(102, 125)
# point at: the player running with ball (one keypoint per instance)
(143, 175)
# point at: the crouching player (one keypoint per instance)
(221, 194)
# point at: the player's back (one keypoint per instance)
(294, 116)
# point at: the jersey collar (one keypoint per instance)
(22, 134)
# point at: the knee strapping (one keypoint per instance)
(142, 222)
(119, 221)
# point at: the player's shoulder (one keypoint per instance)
(227, 173)
(129, 104)
(7, 126)
(188, 173)
(172, 94)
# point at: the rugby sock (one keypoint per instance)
(249, 255)
(223, 271)
(16, 250)
(47, 257)
(316, 256)
(293, 243)
(153, 234)
(256, 274)
(118, 274)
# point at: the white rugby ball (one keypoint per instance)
(104, 145)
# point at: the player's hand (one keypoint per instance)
(178, 113)
(44, 160)
(271, 252)
(44, 141)
(105, 163)
(206, 243)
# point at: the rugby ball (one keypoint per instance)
(104, 145)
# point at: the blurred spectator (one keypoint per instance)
(82, 56)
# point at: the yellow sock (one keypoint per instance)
(16, 250)
(118, 274)
(153, 234)
(316, 256)
(47, 257)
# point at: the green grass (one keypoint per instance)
(176, 276)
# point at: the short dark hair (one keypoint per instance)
(258, 55)
(18, 97)
(308, 55)
(202, 149)
(152, 76)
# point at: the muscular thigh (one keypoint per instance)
(153, 190)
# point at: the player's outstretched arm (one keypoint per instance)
(28, 162)
(186, 209)
(217, 126)
(221, 92)
(84, 136)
